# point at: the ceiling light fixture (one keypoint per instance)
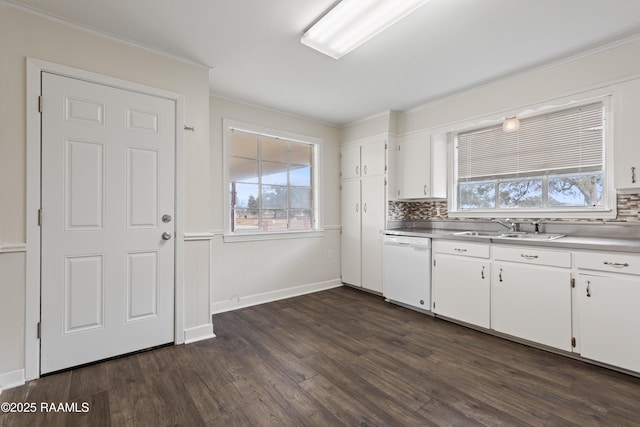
(510, 124)
(352, 22)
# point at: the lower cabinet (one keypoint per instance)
(363, 219)
(460, 281)
(607, 304)
(527, 292)
(531, 295)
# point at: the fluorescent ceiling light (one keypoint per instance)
(352, 22)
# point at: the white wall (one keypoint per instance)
(23, 35)
(247, 273)
(508, 97)
(369, 126)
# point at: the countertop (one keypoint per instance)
(567, 242)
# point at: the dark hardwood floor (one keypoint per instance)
(339, 357)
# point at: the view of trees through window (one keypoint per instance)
(571, 190)
(270, 183)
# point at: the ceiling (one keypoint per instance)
(253, 46)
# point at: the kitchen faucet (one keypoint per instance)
(513, 226)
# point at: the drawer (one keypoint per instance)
(456, 247)
(528, 255)
(609, 261)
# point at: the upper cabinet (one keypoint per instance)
(627, 135)
(421, 166)
(364, 159)
(350, 162)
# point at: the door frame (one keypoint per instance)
(35, 67)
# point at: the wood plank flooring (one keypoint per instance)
(338, 357)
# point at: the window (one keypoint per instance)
(271, 182)
(553, 163)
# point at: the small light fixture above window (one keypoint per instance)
(510, 124)
(352, 22)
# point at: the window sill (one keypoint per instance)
(254, 237)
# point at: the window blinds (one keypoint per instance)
(570, 140)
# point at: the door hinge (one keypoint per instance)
(40, 104)
(434, 262)
(39, 217)
(38, 330)
(434, 305)
(573, 342)
(573, 282)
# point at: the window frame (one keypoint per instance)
(317, 229)
(606, 211)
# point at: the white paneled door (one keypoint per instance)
(108, 190)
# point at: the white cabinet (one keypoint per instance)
(531, 295)
(364, 158)
(626, 133)
(373, 160)
(607, 302)
(363, 211)
(421, 166)
(461, 275)
(373, 222)
(351, 232)
(350, 162)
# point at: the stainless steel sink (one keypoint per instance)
(510, 235)
(531, 236)
(478, 233)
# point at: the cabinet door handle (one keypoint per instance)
(500, 275)
(357, 170)
(357, 207)
(482, 272)
(588, 289)
(425, 189)
(616, 264)
(633, 174)
(525, 256)
(364, 208)
(365, 169)
(460, 250)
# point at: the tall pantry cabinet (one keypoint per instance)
(364, 182)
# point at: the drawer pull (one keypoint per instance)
(588, 289)
(461, 250)
(500, 275)
(616, 264)
(482, 273)
(525, 256)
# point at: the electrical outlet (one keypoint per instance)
(329, 254)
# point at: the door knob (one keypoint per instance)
(166, 218)
(166, 236)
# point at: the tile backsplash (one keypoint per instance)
(628, 206)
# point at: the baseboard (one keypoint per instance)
(250, 300)
(11, 379)
(198, 333)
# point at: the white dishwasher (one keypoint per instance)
(407, 271)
